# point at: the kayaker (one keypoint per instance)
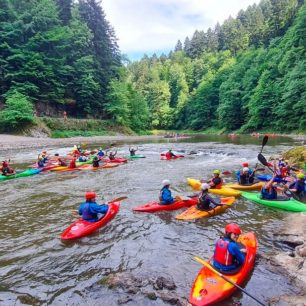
(216, 182)
(133, 151)
(61, 162)
(6, 169)
(205, 201)
(165, 196)
(269, 190)
(83, 158)
(72, 163)
(170, 154)
(100, 153)
(90, 210)
(298, 187)
(229, 256)
(96, 162)
(112, 155)
(246, 177)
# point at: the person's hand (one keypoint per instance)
(243, 250)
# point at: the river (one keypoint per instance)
(37, 268)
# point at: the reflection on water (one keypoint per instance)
(37, 268)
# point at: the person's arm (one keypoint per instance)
(167, 196)
(213, 201)
(95, 208)
(237, 252)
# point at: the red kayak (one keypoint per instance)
(116, 160)
(210, 288)
(81, 228)
(163, 157)
(156, 206)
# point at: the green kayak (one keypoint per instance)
(27, 172)
(87, 162)
(290, 204)
(136, 156)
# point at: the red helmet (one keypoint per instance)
(4, 163)
(232, 228)
(245, 164)
(90, 195)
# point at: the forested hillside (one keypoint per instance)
(246, 74)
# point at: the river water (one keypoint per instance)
(37, 268)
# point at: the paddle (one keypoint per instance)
(264, 142)
(76, 212)
(263, 160)
(207, 265)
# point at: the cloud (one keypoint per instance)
(146, 26)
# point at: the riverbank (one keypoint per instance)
(12, 142)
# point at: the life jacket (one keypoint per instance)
(168, 155)
(204, 202)
(218, 186)
(86, 214)
(72, 164)
(222, 254)
(95, 163)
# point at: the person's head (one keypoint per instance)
(205, 187)
(232, 231)
(300, 176)
(43, 153)
(166, 183)
(90, 196)
(4, 163)
(245, 170)
(96, 158)
(245, 164)
(56, 154)
(216, 172)
(170, 150)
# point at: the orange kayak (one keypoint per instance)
(194, 213)
(209, 288)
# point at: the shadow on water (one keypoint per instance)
(37, 268)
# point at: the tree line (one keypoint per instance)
(246, 74)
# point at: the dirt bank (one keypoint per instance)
(11, 142)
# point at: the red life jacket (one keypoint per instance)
(222, 254)
(168, 155)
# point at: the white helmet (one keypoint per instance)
(166, 182)
(205, 186)
(245, 169)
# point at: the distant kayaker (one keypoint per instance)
(165, 196)
(298, 187)
(100, 153)
(96, 162)
(229, 256)
(112, 155)
(133, 151)
(61, 162)
(90, 210)
(6, 169)
(216, 182)
(83, 158)
(205, 201)
(246, 176)
(170, 154)
(72, 163)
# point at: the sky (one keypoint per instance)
(155, 26)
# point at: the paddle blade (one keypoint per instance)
(118, 199)
(262, 159)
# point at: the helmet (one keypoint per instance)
(90, 195)
(232, 228)
(300, 175)
(245, 169)
(166, 182)
(4, 163)
(44, 152)
(205, 186)
(216, 172)
(245, 164)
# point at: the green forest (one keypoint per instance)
(247, 74)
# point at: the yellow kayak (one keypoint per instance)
(256, 186)
(194, 213)
(229, 192)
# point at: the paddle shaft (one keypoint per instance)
(264, 142)
(204, 263)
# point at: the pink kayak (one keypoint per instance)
(156, 206)
(81, 228)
